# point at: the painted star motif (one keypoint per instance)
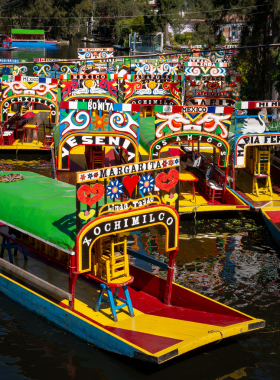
(90, 175)
(83, 177)
(99, 122)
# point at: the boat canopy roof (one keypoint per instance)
(40, 206)
(27, 31)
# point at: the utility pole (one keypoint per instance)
(167, 42)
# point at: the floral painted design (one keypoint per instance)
(99, 122)
(146, 184)
(114, 189)
(152, 85)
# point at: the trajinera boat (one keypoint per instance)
(71, 262)
(66, 246)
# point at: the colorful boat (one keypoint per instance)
(30, 38)
(271, 217)
(27, 114)
(256, 178)
(88, 53)
(76, 246)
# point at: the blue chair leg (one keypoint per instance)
(3, 247)
(24, 252)
(128, 301)
(112, 304)
(100, 297)
(8, 247)
(116, 294)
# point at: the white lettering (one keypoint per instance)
(72, 141)
(169, 221)
(87, 140)
(161, 216)
(97, 230)
(107, 227)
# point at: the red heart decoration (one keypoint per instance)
(212, 85)
(97, 189)
(162, 178)
(130, 183)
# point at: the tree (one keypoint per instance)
(259, 21)
(168, 13)
(54, 16)
(114, 16)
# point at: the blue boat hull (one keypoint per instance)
(64, 318)
(34, 44)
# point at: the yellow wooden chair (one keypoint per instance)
(262, 170)
(148, 111)
(113, 268)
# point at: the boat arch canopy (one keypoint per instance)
(6, 103)
(254, 131)
(252, 140)
(74, 139)
(189, 136)
(126, 222)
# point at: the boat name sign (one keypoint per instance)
(116, 171)
(265, 139)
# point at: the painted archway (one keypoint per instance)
(189, 136)
(126, 221)
(252, 140)
(5, 104)
(71, 140)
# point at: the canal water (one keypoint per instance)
(231, 259)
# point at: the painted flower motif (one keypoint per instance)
(170, 162)
(146, 184)
(152, 84)
(99, 122)
(114, 189)
(83, 177)
(232, 84)
(90, 175)
(95, 174)
(193, 83)
(88, 83)
(56, 67)
(6, 71)
(164, 163)
(176, 161)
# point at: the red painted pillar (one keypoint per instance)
(168, 287)
(233, 173)
(73, 275)
(225, 184)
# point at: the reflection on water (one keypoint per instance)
(42, 167)
(237, 270)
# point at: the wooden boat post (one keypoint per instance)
(168, 286)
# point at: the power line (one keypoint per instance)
(106, 25)
(112, 17)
